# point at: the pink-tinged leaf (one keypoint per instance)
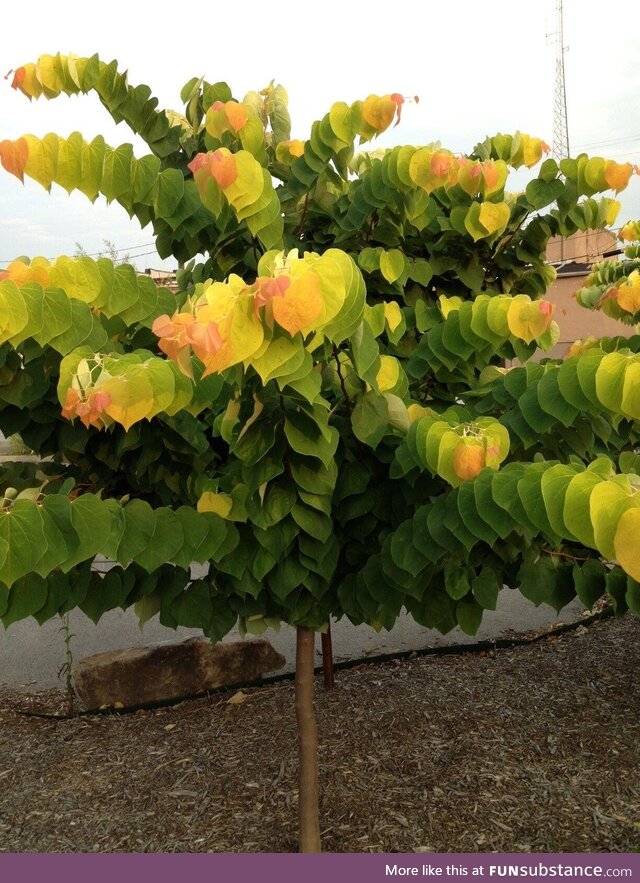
(268, 288)
(546, 308)
(199, 161)
(398, 100)
(100, 400)
(205, 337)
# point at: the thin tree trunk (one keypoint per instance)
(327, 658)
(308, 819)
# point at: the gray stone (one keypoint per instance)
(145, 675)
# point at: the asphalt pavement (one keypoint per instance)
(31, 655)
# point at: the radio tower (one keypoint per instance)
(560, 147)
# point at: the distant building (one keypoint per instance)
(166, 278)
(572, 257)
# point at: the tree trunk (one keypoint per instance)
(308, 820)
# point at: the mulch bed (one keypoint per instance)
(530, 749)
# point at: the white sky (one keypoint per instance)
(478, 68)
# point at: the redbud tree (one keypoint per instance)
(322, 413)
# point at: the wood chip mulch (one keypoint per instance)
(535, 748)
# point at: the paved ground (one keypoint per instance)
(30, 655)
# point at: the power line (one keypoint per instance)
(609, 141)
(99, 253)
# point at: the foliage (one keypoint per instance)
(323, 412)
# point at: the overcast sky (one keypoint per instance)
(478, 68)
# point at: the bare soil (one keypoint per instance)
(534, 748)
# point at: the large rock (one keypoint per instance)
(145, 675)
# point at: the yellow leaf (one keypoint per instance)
(494, 216)
(301, 304)
(627, 541)
(240, 330)
(628, 296)
(532, 150)
(392, 264)
(220, 504)
(449, 304)
(131, 399)
(529, 319)
(388, 374)
(378, 111)
(417, 412)
(238, 698)
(393, 314)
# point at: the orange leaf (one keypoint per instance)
(18, 77)
(14, 156)
(441, 163)
(237, 114)
(468, 460)
(398, 100)
(71, 401)
(617, 174)
(224, 168)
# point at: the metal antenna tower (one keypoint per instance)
(560, 147)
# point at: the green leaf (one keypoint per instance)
(193, 607)
(105, 593)
(56, 548)
(91, 520)
(21, 528)
(26, 597)
(469, 616)
(590, 583)
(542, 193)
(456, 581)
(166, 541)
(140, 524)
(286, 577)
(370, 419)
(486, 587)
(311, 436)
(168, 192)
(365, 353)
